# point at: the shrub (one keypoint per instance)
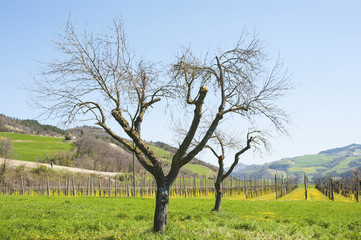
(6, 147)
(41, 170)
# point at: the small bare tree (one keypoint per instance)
(222, 143)
(102, 79)
(6, 147)
(305, 182)
(357, 187)
(6, 150)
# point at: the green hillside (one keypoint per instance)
(200, 170)
(336, 162)
(32, 147)
(331, 162)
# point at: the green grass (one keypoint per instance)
(33, 147)
(37, 217)
(307, 170)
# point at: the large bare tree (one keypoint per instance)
(100, 78)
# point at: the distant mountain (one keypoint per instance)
(335, 162)
(348, 150)
(240, 167)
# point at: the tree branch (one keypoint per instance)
(137, 141)
(236, 157)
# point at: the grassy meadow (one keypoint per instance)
(33, 147)
(39, 217)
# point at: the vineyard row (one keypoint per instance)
(347, 187)
(144, 186)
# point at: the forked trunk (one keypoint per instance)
(217, 206)
(161, 209)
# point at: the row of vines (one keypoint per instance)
(347, 187)
(66, 184)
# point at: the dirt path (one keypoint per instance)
(16, 163)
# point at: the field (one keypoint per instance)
(263, 217)
(39, 217)
(32, 147)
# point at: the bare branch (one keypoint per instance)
(99, 78)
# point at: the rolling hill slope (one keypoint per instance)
(336, 162)
(28, 146)
(33, 148)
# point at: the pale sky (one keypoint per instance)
(319, 41)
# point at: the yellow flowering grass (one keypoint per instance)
(340, 198)
(314, 195)
(296, 195)
(266, 197)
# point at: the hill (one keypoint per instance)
(89, 148)
(335, 162)
(163, 150)
(28, 126)
(34, 148)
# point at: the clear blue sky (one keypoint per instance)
(320, 42)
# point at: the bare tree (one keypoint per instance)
(357, 184)
(222, 143)
(6, 150)
(102, 79)
(357, 173)
(6, 147)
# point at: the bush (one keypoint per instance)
(6, 147)
(60, 158)
(41, 170)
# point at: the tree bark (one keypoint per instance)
(161, 208)
(217, 206)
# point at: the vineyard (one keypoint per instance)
(347, 187)
(55, 184)
(44, 204)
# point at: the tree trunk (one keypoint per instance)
(1, 184)
(161, 208)
(217, 206)
(306, 185)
